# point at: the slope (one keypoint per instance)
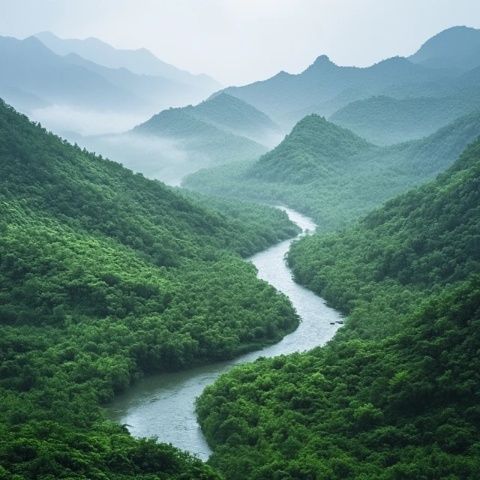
(395, 394)
(238, 117)
(335, 192)
(456, 47)
(104, 276)
(140, 61)
(32, 68)
(202, 140)
(323, 82)
(385, 120)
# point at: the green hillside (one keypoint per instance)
(314, 148)
(395, 394)
(204, 142)
(104, 276)
(236, 116)
(384, 120)
(336, 186)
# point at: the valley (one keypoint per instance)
(268, 279)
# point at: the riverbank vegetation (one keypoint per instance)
(105, 276)
(395, 394)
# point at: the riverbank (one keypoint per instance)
(164, 405)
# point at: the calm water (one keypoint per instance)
(163, 406)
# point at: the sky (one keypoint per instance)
(240, 41)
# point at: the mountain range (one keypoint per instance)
(324, 87)
(44, 71)
(333, 174)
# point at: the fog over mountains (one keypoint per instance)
(95, 94)
(79, 85)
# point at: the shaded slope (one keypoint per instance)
(385, 120)
(456, 47)
(203, 141)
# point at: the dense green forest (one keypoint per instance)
(395, 394)
(334, 176)
(202, 140)
(385, 120)
(105, 276)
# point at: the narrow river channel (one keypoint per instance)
(163, 406)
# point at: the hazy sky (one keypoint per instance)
(238, 41)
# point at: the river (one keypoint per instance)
(163, 406)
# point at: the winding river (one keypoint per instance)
(163, 406)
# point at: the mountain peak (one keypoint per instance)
(457, 47)
(322, 61)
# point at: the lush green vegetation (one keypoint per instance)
(236, 116)
(104, 276)
(395, 394)
(385, 120)
(203, 141)
(335, 187)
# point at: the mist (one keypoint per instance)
(66, 119)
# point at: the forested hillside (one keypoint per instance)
(204, 142)
(238, 117)
(386, 120)
(105, 275)
(337, 185)
(395, 394)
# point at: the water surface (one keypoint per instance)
(163, 406)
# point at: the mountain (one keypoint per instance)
(307, 173)
(193, 135)
(395, 394)
(324, 87)
(152, 91)
(312, 148)
(233, 115)
(456, 47)
(37, 73)
(323, 82)
(106, 276)
(141, 61)
(385, 120)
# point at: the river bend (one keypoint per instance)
(163, 406)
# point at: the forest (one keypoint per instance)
(333, 175)
(395, 394)
(106, 276)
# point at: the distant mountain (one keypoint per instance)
(202, 140)
(70, 93)
(236, 116)
(456, 47)
(314, 147)
(325, 87)
(140, 61)
(153, 91)
(180, 141)
(306, 173)
(384, 120)
(41, 77)
(323, 82)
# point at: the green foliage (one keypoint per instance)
(312, 149)
(395, 394)
(335, 188)
(384, 120)
(104, 276)
(202, 140)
